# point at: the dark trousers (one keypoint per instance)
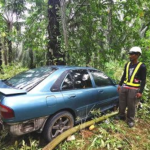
(127, 99)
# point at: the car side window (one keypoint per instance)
(67, 83)
(81, 79)
(100, 78)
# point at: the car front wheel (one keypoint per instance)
(56, 125)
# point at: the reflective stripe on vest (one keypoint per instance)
(130, 83)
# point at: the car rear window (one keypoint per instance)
(26, 80)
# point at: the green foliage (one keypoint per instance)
(78, 144)
(114, 69)
(146, 93)
(103, 31)
(24, 24)
(108, 125)
(96, 113)
(144, 112)
(34, 37)
(3, 134)
(11, 70)
(106, 141)
(93, 32)
(32, 145)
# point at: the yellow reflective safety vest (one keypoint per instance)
(130, 82)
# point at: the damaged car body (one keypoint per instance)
(49, 99)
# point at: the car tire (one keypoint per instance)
(57, 124)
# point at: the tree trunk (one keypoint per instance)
(5, 51)
(54, 54)
(63, 20)
(0, 57)
(9, 51)
(9, 24)
(109, 35)
(31, 55)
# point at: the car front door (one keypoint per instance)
(107, 95)
(78, 92)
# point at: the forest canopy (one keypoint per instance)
(81, 32)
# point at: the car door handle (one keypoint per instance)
(100, 91)
(72, 96)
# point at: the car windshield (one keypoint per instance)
(28, 79)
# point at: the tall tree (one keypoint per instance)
(10, 11)
(0, 56)
(54, 54)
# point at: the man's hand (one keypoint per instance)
(138, 95)
(118, 89)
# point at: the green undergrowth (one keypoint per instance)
(107, 135)
(112, 135)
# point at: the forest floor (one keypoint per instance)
(109, 134)
(116, 135)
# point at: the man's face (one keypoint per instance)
(133, 56)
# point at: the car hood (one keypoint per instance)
(11, 91)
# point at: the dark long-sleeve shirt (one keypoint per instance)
(141, 75)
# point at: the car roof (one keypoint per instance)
(70, 67)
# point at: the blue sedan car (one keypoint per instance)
(49, 99)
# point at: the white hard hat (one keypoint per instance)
(135, 49)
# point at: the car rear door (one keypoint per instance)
(78, 92)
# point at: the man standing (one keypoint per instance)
(131, 86)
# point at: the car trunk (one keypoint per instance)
(11, 91)
(4, 110)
